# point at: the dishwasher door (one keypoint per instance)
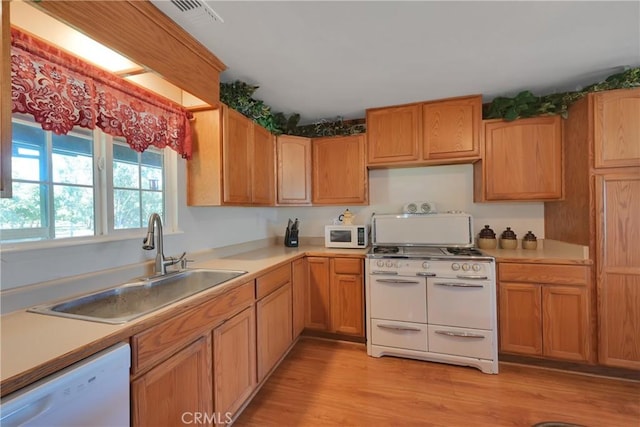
(92, 392)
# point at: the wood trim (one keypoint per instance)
(5, 99)
(139, 31)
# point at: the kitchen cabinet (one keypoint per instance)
(177, 354)
(435, 132)
(234, 362)
(5, 100)
(335, 296)
(299, 280)
(601, 209)
(339, 171)
(233, 161)
(293, 155)
(181, 385)
(522, 160)
(274, 318)
(545, 311)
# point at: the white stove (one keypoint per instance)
(427, 302)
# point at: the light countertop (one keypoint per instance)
(548, 252)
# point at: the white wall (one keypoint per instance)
(450, 187)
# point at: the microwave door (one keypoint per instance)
(340, 236)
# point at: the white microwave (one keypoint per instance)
(346, 236)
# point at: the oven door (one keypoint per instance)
(398, 298)
(465, 303)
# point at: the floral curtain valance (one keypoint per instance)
(62, 91)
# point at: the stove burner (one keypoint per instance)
(464, 251)
(386, 250)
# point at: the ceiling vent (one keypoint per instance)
(196, 10)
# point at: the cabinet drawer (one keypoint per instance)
(347, 265)
(544, 273)
(163, 340)
(475, 343)
(273, 280)
(411, 336)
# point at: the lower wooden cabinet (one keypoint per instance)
(335, 295)
(541, 318)
(176, 390)
(274, 328)
(234, 363)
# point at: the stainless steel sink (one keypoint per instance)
(136, 298)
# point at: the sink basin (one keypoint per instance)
(134, 299)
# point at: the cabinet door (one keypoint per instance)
(347, 297)
(339, 171)
(299, 286)
(263, 186)
(565, 322)
(451, 128)
(237, 146)
(274, 329)
(616, 127)
(180, 385)
(618, 233)
(234, 362)
(317, 306)
(204, 169)
(294, 170)
(520, 318)
(523, 159)
(393, 134)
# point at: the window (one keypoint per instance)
(61, 189)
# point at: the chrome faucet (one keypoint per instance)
(147, 244)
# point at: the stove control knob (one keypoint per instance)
(455, 266)
(466, 266)
(380, 263)
(476, 267)
(389, 263)
(425, 265)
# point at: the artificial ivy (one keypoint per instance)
(239, 96)
(525, 104)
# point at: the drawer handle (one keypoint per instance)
(459, 334)
(458, 285)
(471, 277)
(398, 281)
(399, 328)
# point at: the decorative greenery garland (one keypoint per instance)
(525, 104)
(239, 96)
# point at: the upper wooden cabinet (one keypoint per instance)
(435, 132)
(616, 128)
(522, 160)
(233, 161)
(451, 128)
(293, 155)
(339, 171)
(394, 134)
(5, 100)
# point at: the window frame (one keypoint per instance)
(103, 195)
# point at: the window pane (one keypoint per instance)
(28, 152)
(152, 202)
(25, 209)
(73, 211)
(125, 175)
(126, 206)
(72, 160)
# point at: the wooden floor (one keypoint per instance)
(325, 383)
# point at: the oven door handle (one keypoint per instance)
(459, 334)
(471, 277)
(458, 285)
(399, 281)
(398, 327)
(388, 273)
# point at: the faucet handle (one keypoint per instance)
(184, 261)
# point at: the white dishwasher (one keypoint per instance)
(92, 392)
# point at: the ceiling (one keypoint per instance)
(324, 59)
